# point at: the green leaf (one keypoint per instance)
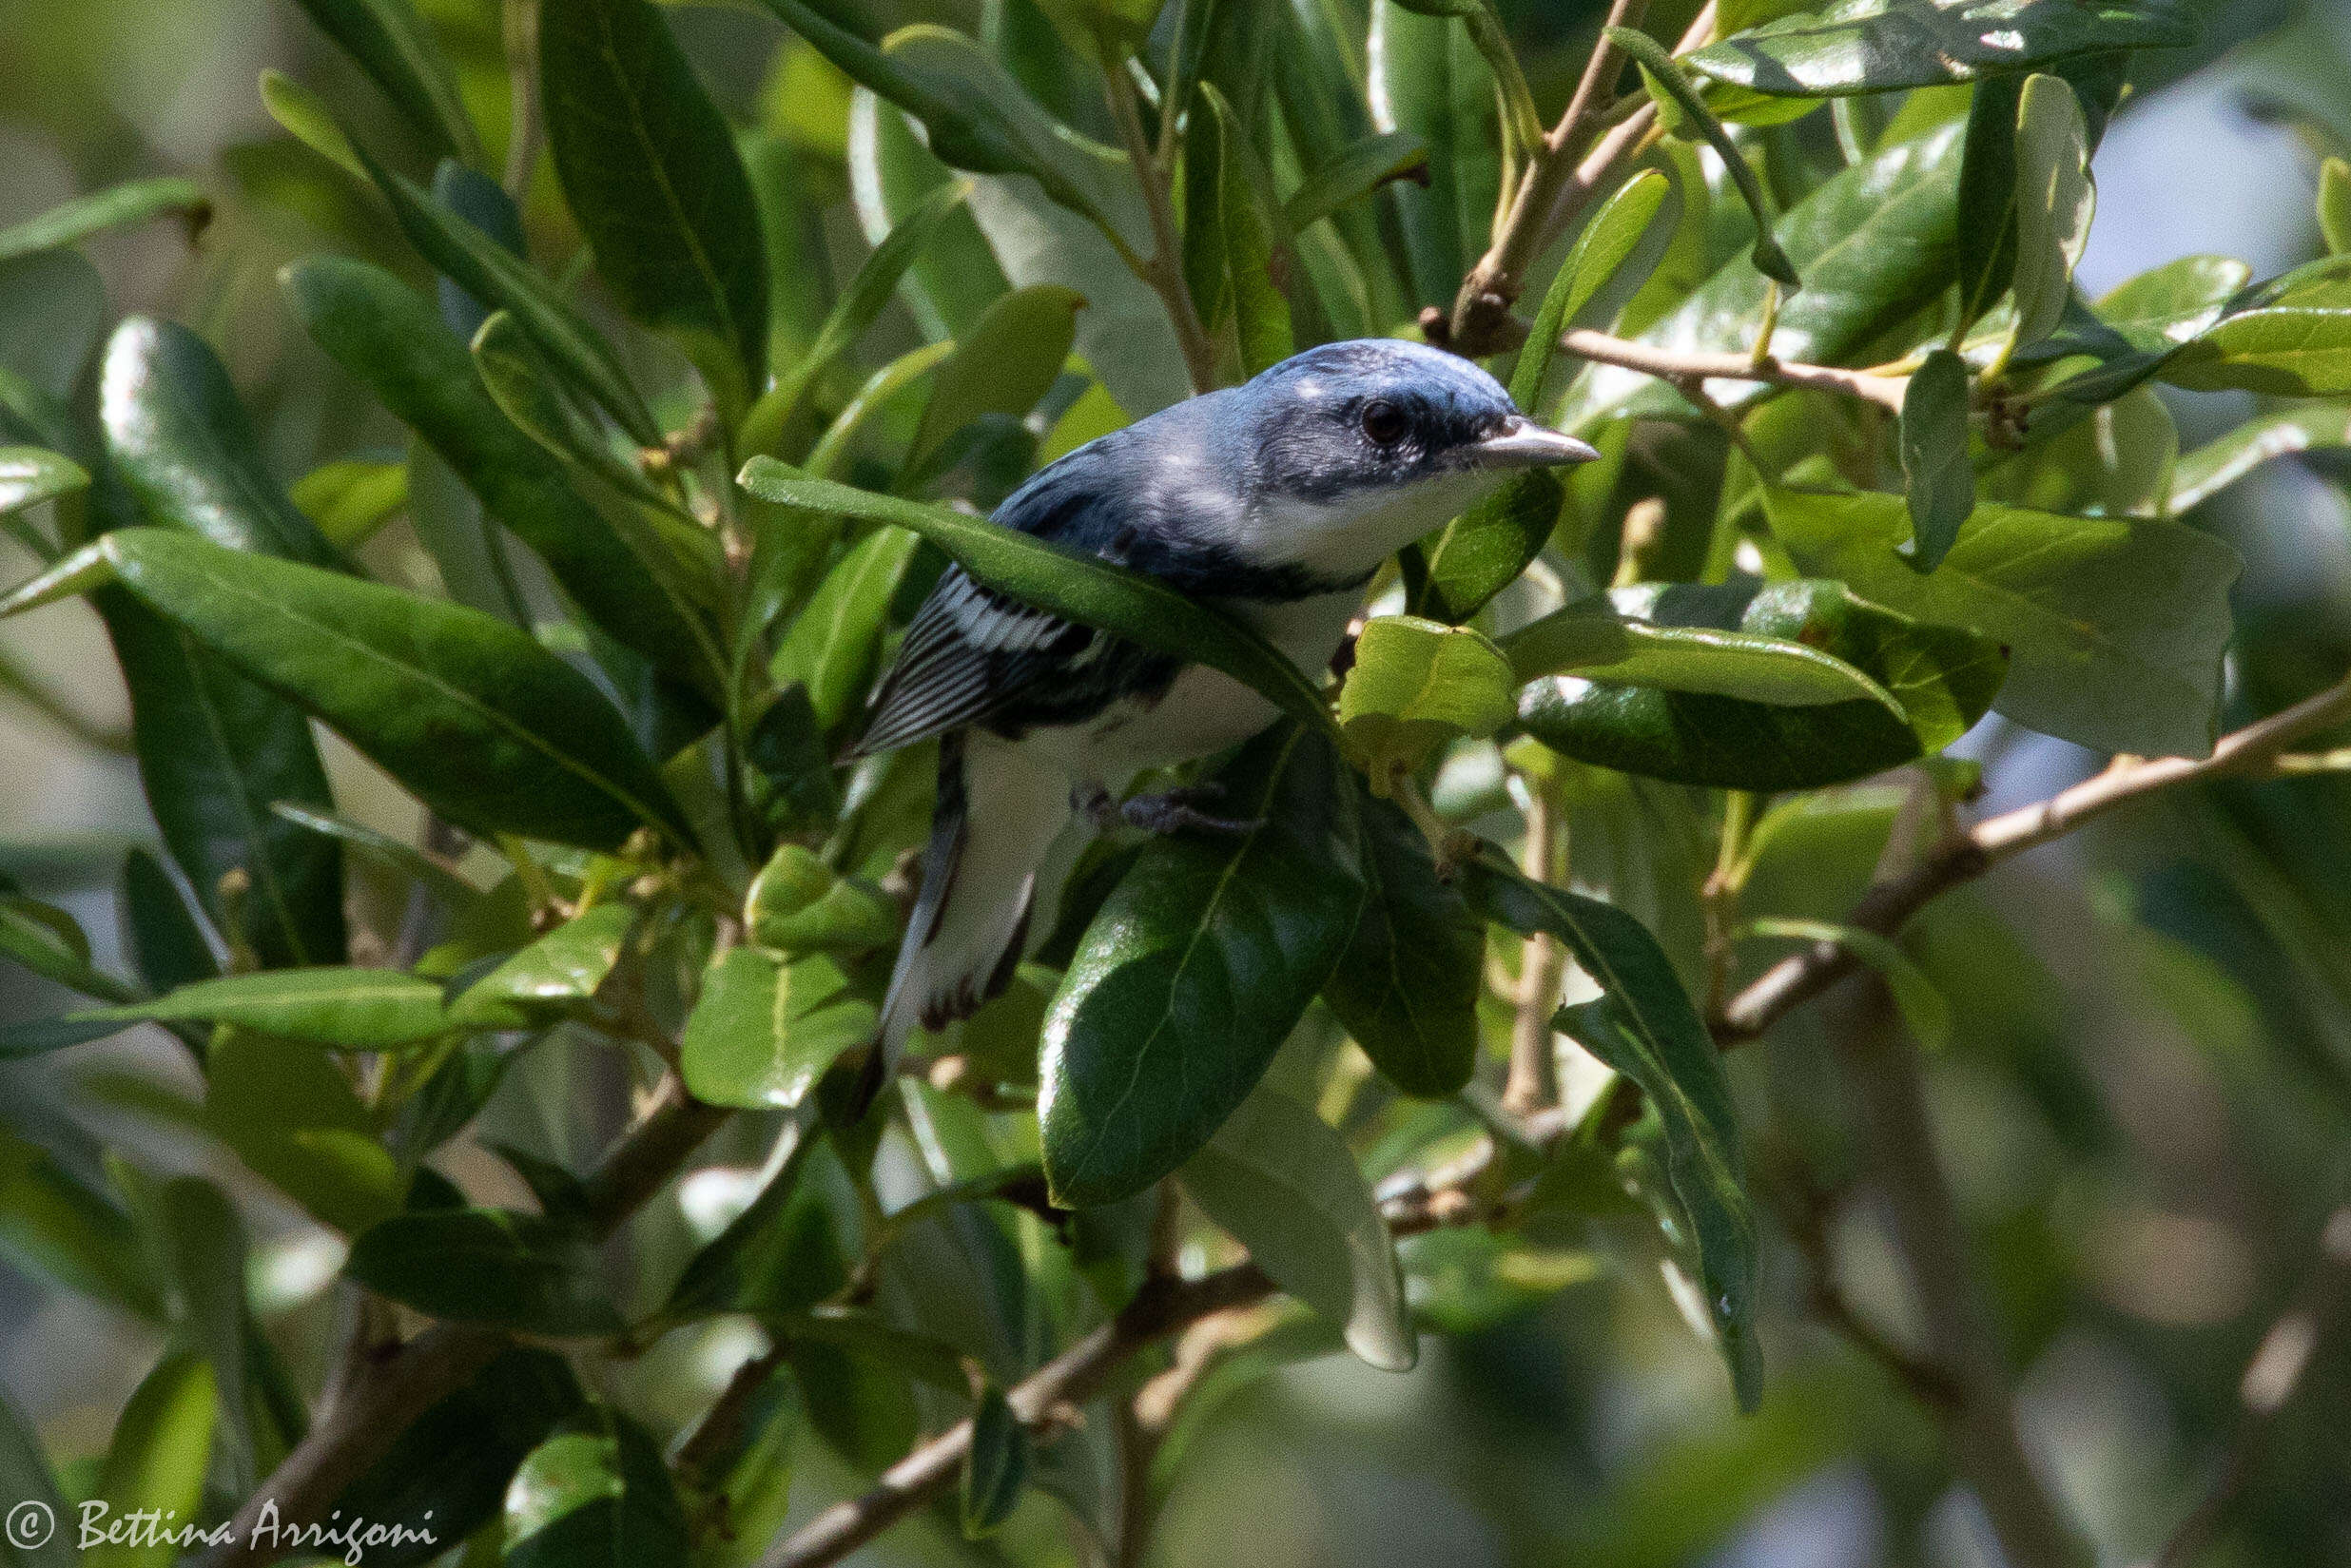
(1196, 970)
(764, 1031)
(778, 1255)
(835, 642)
(1879, 45)
(1924, 1011)
(1359, 170)
(453, 892)
(26, 1480)
(559, 970)
(1939, 479)
(597, 1496)
(488, 1266)
(2167, 305)
(47, 940)
(1680, 637)
(1940, 678)
(2224, 459)
(2055, 199)
(52, 308)
(1482, 552)
(2114, 626)
(392, 341)
(1286, 1186)
(1646, 1029)
(1078, 588)
(1004, 364)
(1987, 220)
(180, 438)
(156, 1461)
(2335, 205)
(1665, 80)
(303, 115)
(2115, 460)
(52, 1224)
(996, 1468)
(351, 497)
(30, 475)
(1428, 80)
(453, 1464)
(1874, 242)
(204, 1245)
(499, 278)
(2297, 344)
(1603, 247)
(132, 202)
(292, 1117)
(1230, 242)
(161, 938)
(1417, 684)
(1408, 986)
(859, 304)
(347, 1009)
(482, 723)
(396, 50)
(650, 169)
(798, 905)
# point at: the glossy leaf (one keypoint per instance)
(833, 646)
(1280, 1181)
(1941, 679)
(1230, 242)
(562, 968)
(1008, 361)
(180, 438)
(1417, 684)
(777, 1254)
(1874, 242)
(2224, 459)
(29, 477)
(1672, 637)
(490, 1267)
(2115, 628)
(349, 1009)
(1646, 1029)
(1607, 243)
(1939, 479)
(1082, 589)
(1986, 231)
(650, 169)
(397, 50)
(390, 341)
(1428, 81)
(995, 1469)
(798, 905)
(303, 115)
(481, 723)
(453, 891)
(597, 1496)
(2055, 199)
(1361, 168)
(1879, 45)
(1667, 81)
(764, 1031)
(161, 938)
(1194, 971)
(156, 1460)
(132, 202)
(499, 280)
(2297, 344)
(1408, 986)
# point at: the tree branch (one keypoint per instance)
(1164, 271)
(2270, 1380)
(390, 1387)
(2255, 750)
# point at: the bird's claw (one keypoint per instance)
(1170, 811)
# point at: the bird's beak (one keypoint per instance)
(1523, 443)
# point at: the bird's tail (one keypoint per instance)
(1000, 812)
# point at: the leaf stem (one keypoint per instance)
(1163, 271)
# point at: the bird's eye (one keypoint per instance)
(1383, 421)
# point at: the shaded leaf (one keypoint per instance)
(1673, 637)
(1408, 986)
(835, 642)
(303, 115)
(2055, 199)
(132, 202)
(2335, 205)
(291, 1116)
(1924, 1011)
(47, 940)
(156, 1460)
(996, 1468)
(1359, 170)
(1428, 80)
(764, 1031)
(1004, 364)
(2114, 626)
(25, 1474)
(798, 905)
(2293, 345)
(649, 167)
(487, 1265)
(396, 50)
(1417, 684)
(1939, 479)
(1196, 970)
(2224, 459)
(349, 1009)
(29, 477)
(160, 935)
(597, 1496)
(1231, 247)
(351, 497)
(560, 969)
(1287, 1187)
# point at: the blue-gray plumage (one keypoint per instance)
(1275, 501)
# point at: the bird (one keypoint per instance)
(1275, 502)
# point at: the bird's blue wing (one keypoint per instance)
(968, 654)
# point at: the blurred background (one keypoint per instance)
(2145, 1108)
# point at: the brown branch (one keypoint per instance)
(1682, 366)
(1164, 270)
(2255, 750)
(2270, 1380)
(389, 1386)
(1541, 964)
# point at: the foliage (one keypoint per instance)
(646, 411)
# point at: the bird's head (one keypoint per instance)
(1354, 450)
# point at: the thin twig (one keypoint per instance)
(2270, 1380)
(1541, 964)
(1164, 271)
(1685, 365)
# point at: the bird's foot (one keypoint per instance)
(1170, 811)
